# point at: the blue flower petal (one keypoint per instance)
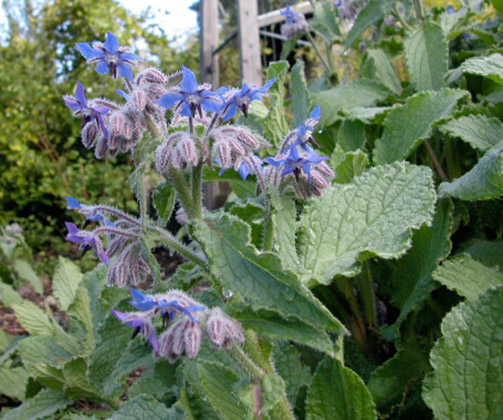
(211, 105)
(130, 57)
(112, 43)
(231, 111)
(169, 100)
(125, 71)
(88, 52)
(189, 81)
(80, 94)
(73, 203)
(316, 113)
(102, 68)
(186, 110)
(72, 104)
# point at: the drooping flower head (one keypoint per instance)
(241, 99)
(87, 241)
(290, 15)
(191, 96)
(111, 57)
(89, 113)
(141, 322)
(306, 129)
(295, 23)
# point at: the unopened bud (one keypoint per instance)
(140, 99)
(192, 339)
(90, 134)
(152, 75)
(223, 330)
(163, 155)
(187, 149)
(171, 342)
(223, 151)
(101, 148)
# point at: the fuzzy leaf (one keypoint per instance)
(412, 280)
(81, 310)
(8, 296)
(163, 199)
(24, 270)
(379, 67)
(483, 182)
(219, 385)
(490, 66)
(42, 349)
(44, 404)
(276, 126)
(338, 393)
(259, 278)
(354, 164)
(371, 216)
(301, 98)
(67, 277)
(467, 362)
(478, 131)
(146, 408)
(468, 277)
(426, 52)
(405, 127)
(362, 93)
(13, 382)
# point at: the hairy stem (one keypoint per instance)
(366, 287)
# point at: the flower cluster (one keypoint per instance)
(187, 321)
(295, 23)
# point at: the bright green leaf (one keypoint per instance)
(44, 404)
(146, 408)
(163, 199)
(24, 270)
(301, 98)
(379, 67)
(276, 126)
(467, 369)
(373, 215)
(13, 381)
(490, 66)
(478, 131)
(8, 295)
(354, 164)
(81, 310)
(405, 127)
(67, 277)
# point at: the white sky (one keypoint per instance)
(174, 16)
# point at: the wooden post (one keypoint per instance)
(249, 41)
(209, 42)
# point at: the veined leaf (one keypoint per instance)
(44, 404)
(8, 295)
(146, 408)
(468, 277)
(276, 126)
(478, 131)
(42, 349)
(259, 278)
(81, 310)
(467, 368)
(354, 164)
(13, 381)
(301, 98)
(371, 216)
(338, 393)
(163, 199)
(24, 270)
(490, 66)
(380, 68)
(426, 52)
(405, 127)
(325, 22)
(483, 182)
(67, 277)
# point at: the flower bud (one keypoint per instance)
(223, 330)
(223, 152)
(192, 339)
(152, 75)
(163, 155)
(101, 148)
(140, 99)
(171, 342)
(90, 134)
(187, 150)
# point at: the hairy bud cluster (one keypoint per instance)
(182, 335)
(223, 330)
(232, 143)
(177, 151)
(290, 29)
(129, 268)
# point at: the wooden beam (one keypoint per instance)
(249, 41)
(209, 42)
(275, 16)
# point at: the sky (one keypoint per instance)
(174, 16)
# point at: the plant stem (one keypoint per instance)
(399, 16)
(358, 324)
(182, 189)
(366, 287)
(197, 190)
(318, 52)
(247, 364)
(436, 162)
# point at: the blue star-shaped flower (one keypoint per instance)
(191, 96)
(110, 56)
(306, 130)
(141, 323)
(290, 15)
(89, 212)
(296, 162)
(78, 103)
(243, 98)
(87, 241)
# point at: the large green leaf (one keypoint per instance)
(8, 295)
(388, 383)
(146, 408)
(380, 68)
(338, 393)
(405, 127)
(467, 277)
(371, 216)
(478, 131)
(42, 349)
(426, 52)
(483, 182)
(373, 12)
(325, 22)
(412, 280)
(13, 381)
(67, 277)
(354, 164)
(467, 362)
(276, 126)
(76, 379)
(44, 404)
(25, 270)
(301, 98)
(81, 310)
(490, 66)
(362, 93)
(219, 385)
(258, 277)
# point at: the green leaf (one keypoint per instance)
(67, 277)
(81, 310)
(498, 5)
(351, 135)
(379, 67)
(8, 295)
(388, 383)
(483, 182)
(25, 271)
(44, 404)
(276, 126)
(13, 382)
(337, 393)
(219, 385)
(148, 386)
(478, 131)
(489, 253)
(467, 369)
(490, 66)
(427, 52)
(164, 199)
(362, 93)
(371, 216)
(42, 349)
(301, 98)
(271, 324)
(373, 12)
(325, 22)
(76, 380)
(146, 408)
(37, 322)
(405, 127)
(412, 280)
(259, 278)
(468, 277)
(354, 164)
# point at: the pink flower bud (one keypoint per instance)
(223, 151)
(152, 75)
(163, 155)
(140, 99)
(187, 149)
(90, 134)
(101, 148)
(171, 342)
(223, 330)
(192, 339)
